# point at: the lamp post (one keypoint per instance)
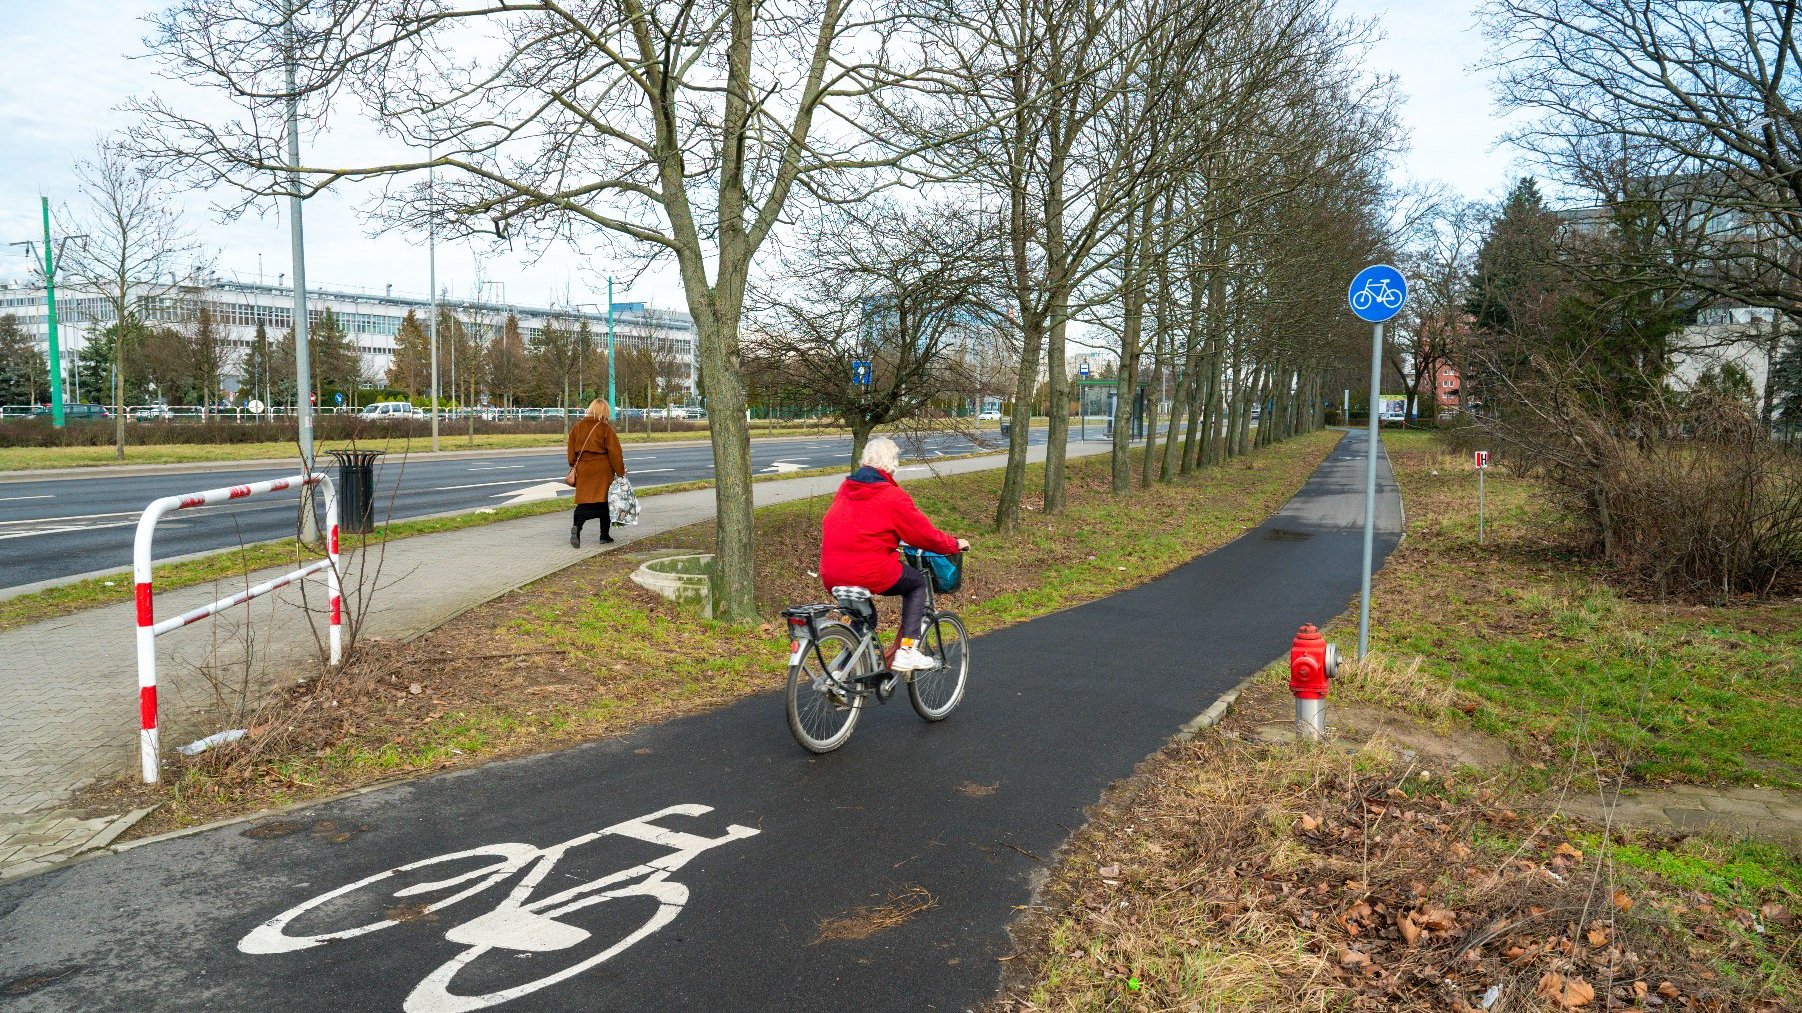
(51, 260)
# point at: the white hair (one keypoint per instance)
(882, 454)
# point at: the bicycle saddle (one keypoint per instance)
(854, 600)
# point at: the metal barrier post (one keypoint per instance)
(148, 629)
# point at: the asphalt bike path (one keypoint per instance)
(58, 528)
(707, 863)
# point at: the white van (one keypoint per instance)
(399, 411)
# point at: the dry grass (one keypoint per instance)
(1229, 875)
(861, 923)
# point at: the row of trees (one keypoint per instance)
(563, 363)
(1189, 182)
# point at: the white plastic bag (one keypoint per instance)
(622, 502)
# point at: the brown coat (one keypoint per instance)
(595, 453)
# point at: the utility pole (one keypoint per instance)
(432, 276)
(51, 259)
(303, 372)
(612, 391)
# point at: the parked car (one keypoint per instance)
(989, 416)
(151, 413)
(72, 412)
(392, 411)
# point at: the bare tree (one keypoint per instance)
(909, 292)
(136, 246)
(684, 129)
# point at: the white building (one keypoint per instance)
(370, 319)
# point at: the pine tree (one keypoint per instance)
(253, 374)
(508, 368)
(24, 374)
(412, 368)
(335, 361)
(1786, 382)
(205, 357)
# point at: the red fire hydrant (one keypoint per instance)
(1312, 661)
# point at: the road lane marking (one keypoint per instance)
(517, 925)
(479, 485)
(497, 467)
(15, 499)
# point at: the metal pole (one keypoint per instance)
(1480, 473)
(1370, 490)
(56, 353)
(612, 391)
(303, 369)
(432, 276)
(1345, 414)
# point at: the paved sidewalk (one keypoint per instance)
(70, 684)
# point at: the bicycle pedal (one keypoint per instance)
(886, 688)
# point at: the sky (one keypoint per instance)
(59, 95)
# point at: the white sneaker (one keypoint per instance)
(909, 659)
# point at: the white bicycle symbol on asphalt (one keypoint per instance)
(518, 925)
(1376, 290)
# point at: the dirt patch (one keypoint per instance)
(862, 923)
(970, 789)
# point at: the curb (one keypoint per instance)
(1210, 717)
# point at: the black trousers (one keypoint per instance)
(586, 512)
(912, 590)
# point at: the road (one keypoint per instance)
(707, 863)
(55, 529)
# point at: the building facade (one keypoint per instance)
(370, 319)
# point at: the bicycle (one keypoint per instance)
(1376, 290)
(834, 666)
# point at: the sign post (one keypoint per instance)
(1082, 407)
(861, 374)
(1375, 295)
(1482, 457)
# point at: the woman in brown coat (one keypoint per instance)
(595, 454)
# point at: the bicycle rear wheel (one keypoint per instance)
(936, 692)
(819, 722)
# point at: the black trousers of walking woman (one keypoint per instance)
(586, 512)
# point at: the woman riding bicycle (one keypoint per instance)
(868, 520)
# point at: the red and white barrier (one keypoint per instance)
(149, 629)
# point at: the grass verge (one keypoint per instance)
(1430, 861)
(587, 653)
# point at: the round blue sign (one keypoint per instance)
(338, 398)
(1377, 293)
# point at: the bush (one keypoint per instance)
(1685, 493)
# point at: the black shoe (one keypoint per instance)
(575, 537)
(606, 539)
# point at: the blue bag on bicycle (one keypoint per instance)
(945, 572)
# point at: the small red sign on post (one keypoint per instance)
(1482, 459)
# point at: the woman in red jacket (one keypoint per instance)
(866, 523)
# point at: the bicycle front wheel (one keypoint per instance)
(936, 692)
(823, 710)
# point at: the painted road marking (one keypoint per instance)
(481, 485)
(497, 467)
(517, 925)
(650, 471)
(15, 499)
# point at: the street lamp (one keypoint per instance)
(612, 389)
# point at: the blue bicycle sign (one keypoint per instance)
(1377, 293)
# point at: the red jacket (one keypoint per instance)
(868, 518)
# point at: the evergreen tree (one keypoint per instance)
(412, 368)
(24, 373)
(1786, 382)
(281, 371)
(337, 365)
(205, 359)
(253, 373)
(508, 367)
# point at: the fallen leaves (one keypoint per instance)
(1569, 993)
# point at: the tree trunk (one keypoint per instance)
(1058, 409)
(1013, 479)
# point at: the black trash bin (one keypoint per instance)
(356, 490)
(1007, 431)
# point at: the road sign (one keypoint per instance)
(1482, 457)
(338, 398)
(1082, 370)
(861, 373)
(1377, 293)
(255, 407)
